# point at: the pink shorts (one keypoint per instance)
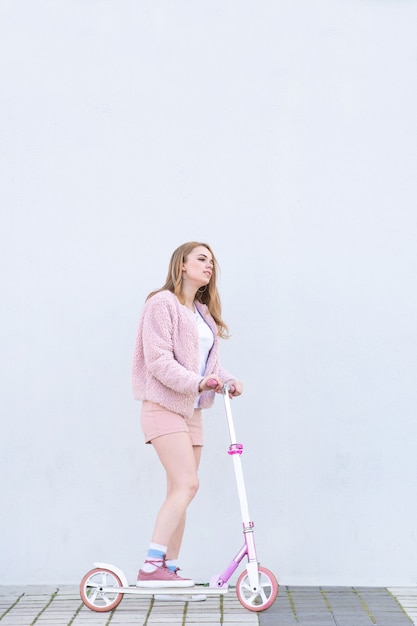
(156, 421)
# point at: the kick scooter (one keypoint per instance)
(102, 588)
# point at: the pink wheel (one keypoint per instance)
(95, 593)
(261, 599)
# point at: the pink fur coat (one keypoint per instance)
(166, 358)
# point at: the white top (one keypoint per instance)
(206, 341)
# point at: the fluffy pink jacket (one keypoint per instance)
(166, 359)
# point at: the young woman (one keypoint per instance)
(176, 373)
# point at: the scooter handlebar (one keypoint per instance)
(226, 386)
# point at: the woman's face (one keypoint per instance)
(198, 266)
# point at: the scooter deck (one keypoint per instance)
(180, 591)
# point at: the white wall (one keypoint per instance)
(284, 134)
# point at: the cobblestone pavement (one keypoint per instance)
(337, 606)
(295, 606)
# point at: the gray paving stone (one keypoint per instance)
(46, 605)
(335, 606)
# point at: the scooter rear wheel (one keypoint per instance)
(92, 586)
(263, 598)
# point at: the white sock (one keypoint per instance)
(172, 564)
(156, 553)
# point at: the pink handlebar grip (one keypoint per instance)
(211, 382)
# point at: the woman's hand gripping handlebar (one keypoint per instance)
(232, 387)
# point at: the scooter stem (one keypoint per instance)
(236, 450)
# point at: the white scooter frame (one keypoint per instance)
(103, 587)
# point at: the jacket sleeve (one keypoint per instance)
(225, 375)
(158, 348)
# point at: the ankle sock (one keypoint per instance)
(172, 564)
(156, 553)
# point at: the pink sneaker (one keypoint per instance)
(162, 577)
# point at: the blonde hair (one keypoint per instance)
(209, 296)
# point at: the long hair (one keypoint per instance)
(209, 296)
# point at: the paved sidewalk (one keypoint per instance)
(295, 606)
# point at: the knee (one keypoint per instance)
(190, 488)
(193, 487)
(187, 488)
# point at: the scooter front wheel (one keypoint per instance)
(92, 590)
(261, 599)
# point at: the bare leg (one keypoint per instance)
(176, 541)
(179, 459)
